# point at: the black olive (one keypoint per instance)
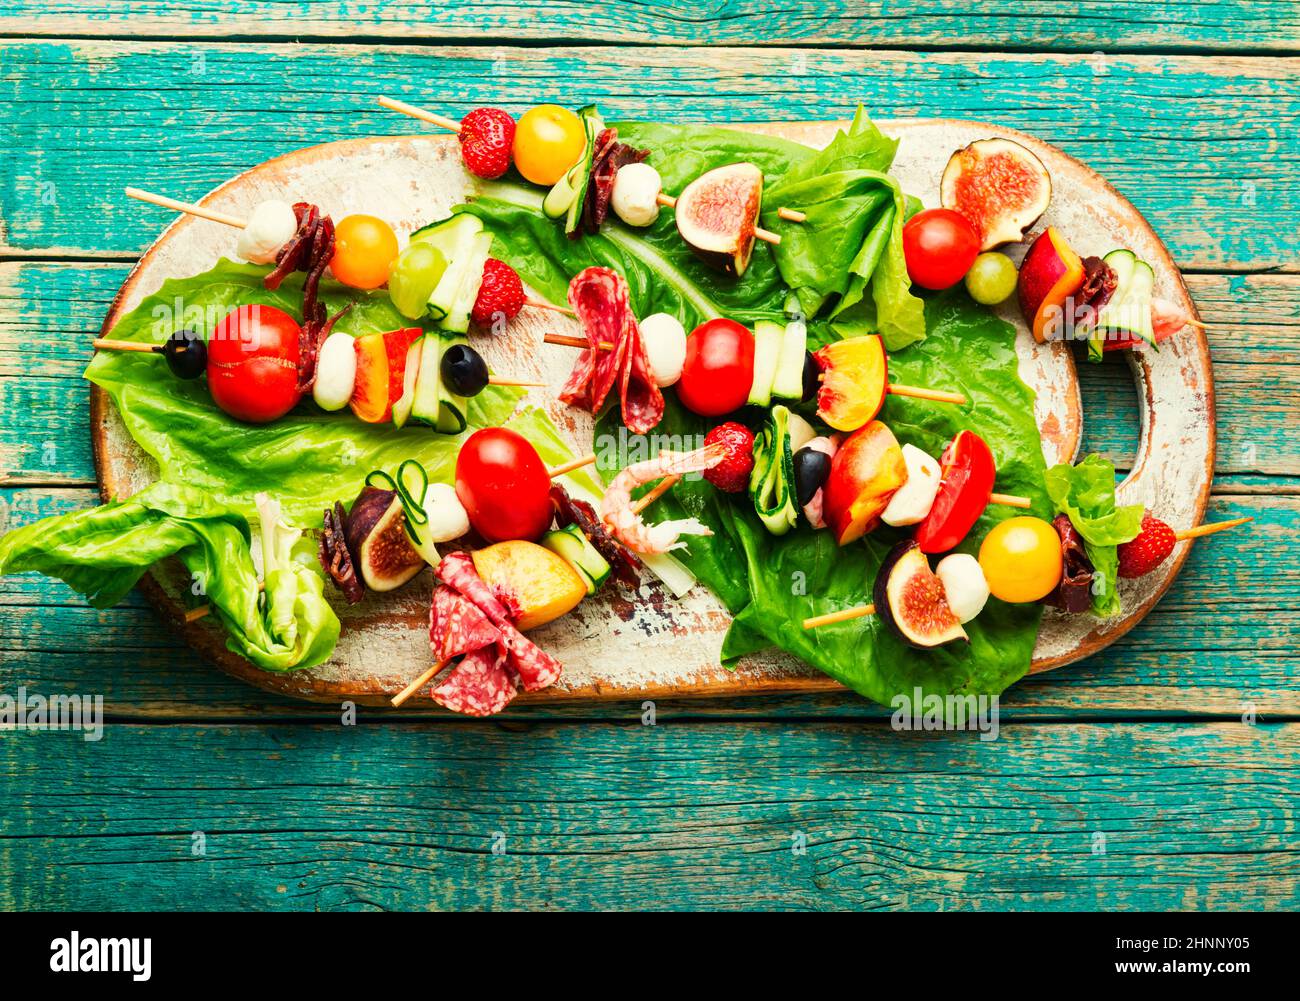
(811, 468)
(464, 371)
(811, 371)
(186, 354)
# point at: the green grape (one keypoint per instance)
(991, 278)
(413, 276)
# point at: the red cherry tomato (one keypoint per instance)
(719, 368)
(503, 484)
(966, 472)
(253, 364)
(939, 245)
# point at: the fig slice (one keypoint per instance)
(910, 599)
(376, 536)
(1000, 186)
(717, 214)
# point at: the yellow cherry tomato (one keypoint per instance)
(548, 141)
(364, 247)
(1021, 559)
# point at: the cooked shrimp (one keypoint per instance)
(616, 507)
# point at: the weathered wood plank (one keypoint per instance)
(676, 816)
(1187, 657)
(50, 311)
(1220, 24)
(1207, 159)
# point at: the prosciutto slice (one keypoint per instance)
(599, 297)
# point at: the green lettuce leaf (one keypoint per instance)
(772, 583)
(1086, 494)
(309, 459)
(103, 552)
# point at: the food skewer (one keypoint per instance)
(663, 487)
(860, 611)
(451, 125)
(237, 222)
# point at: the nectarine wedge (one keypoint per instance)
(1050, 274)
(855, 377)
(531, 579)
(864, 475)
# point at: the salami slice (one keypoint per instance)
(479, 685)
(457, 625)
(536, 668)
(599, 297)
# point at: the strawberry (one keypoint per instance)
(732, 473)
(501, 294)
(1152, 547)
(486, 135)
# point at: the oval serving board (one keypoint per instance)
(613, 647)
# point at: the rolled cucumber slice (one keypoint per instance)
(577, 550)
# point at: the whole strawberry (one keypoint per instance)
(486, 135)
(732, 473)
(500, 296)
(1152, 547)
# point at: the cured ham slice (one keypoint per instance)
(599, 297)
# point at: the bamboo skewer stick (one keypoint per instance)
(494, 381)
(922, 393)
(189, 208)
(104, 344)
(568, 467)
(1200, 531)
(1011, 500)
(660, 489)
(539, 304)
(843, 615)
(417, 684)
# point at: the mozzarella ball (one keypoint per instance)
(336, 372)
(665, 345)
(447, 516)
(911, 502)
(963, 584)
(636, 193)
(270, 226)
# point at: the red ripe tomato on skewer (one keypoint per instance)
(503, 484)
(253, 364)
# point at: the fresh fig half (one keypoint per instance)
(376, 536)
(1000, 186)
(910, 598)
(717, 214)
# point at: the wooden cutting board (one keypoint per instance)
(614, 647)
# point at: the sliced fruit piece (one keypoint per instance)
(370, 399)
(966, 476)
(410, 374)
(579, 553)
(1126, 317)
(855, 376)
(717, 214)
(767, 350)
(376, 536)
(1049, 275)
(864, 474)
(397, 344)
(531, 579)
(910, 598)
(1000, 186)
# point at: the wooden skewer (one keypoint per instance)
(494, 381)
(189, 208)
(1210, 529)
(662, 488)
(104, 344)
(417, 684)
(792, 215)
(539, 304)
(917, 392)
(574, 342)
(568, 467)
(766, 235)
(843, 615)
(1011, 500)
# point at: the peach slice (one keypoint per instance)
(864, 475)
(370, 399)
(855, 376)
(541, 585)
(1050, 275)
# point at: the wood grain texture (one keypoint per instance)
(1202, 146)
(1180, 24)
(670, 817)
(1189, 657)
(49, 312)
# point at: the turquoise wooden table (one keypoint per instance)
(1162, 773)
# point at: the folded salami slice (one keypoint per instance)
(599, 297)
(457, 625)
(479, 685)
(535, 667)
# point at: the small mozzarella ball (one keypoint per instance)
(963, 584)
(447, 516)
(336, 372)
(636, 190)
(665, 345)
(912, 501)
(270, 226)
